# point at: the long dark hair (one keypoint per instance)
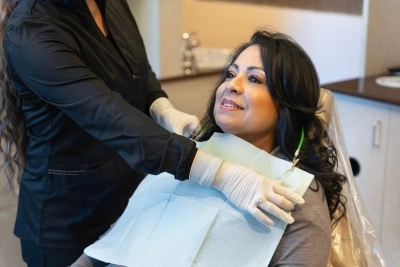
(12, 128)
(293, 82)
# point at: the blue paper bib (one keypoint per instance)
(173, 223)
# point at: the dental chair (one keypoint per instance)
(354, 240)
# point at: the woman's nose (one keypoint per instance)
(235, 86)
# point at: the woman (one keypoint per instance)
(292, 84)
(77, 94)
(267, 96)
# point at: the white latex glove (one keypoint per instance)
(162, 111)
(247, 189)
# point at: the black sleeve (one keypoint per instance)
(44, 61)
(154, 90)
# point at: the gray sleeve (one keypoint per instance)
(307, 241)
(86, 261)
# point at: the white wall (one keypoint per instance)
(334, 41)
(160, 25)
(146, 13)
(383, 42)
(341, 46)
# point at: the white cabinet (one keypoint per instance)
(361, 120)
(371, 131)
(390, 233)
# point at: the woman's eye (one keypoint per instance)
(254, 79)
(229, 74)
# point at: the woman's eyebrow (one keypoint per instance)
(248, 68)
(255, 68)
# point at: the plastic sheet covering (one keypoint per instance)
(354, 240)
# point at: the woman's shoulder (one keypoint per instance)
(307, 241)
(315, 207)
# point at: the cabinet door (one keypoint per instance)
(365, 127)
(391, 218)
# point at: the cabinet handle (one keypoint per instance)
(376, 142)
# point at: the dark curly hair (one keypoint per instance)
(293, 82)
(12, 127)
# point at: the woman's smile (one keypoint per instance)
(230, 105)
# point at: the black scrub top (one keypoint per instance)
(85, 101)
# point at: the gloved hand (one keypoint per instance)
(244, 187)
(162, 111)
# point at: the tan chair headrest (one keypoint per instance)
(326, 102)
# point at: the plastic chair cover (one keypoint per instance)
(354, 240)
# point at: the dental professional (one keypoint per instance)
(86, 116)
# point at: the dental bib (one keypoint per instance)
(179, 223)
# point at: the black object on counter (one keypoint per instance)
(394, 71)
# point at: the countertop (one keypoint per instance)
(366, 87)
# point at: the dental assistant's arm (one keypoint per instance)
(143, 144)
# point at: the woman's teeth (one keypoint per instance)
(232, 106)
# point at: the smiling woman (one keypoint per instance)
(275, 82)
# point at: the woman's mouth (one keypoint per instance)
(230, 105)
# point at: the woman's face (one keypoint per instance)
(243, 105)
